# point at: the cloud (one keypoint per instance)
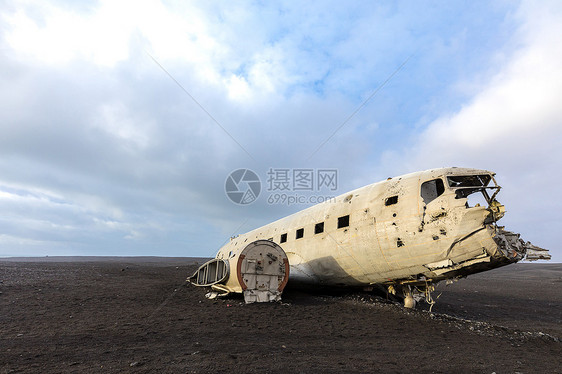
(512, 125)
(126, 162)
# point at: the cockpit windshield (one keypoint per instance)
(469, 180)
(465, 185)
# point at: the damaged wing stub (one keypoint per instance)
(512, 246)
(260, 271)
(535, 253)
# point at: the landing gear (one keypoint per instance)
(412, 294)
(409, 301)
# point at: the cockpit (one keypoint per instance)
(466, 186)
(479, 190)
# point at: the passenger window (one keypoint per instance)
(391, 200)
(343, 221)
(283, 238)
(430, 190)
(319, 228)
(300, 233)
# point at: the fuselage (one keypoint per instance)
(407, 232)
(397, 229)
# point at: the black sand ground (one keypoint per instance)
(138, 316)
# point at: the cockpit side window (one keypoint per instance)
(469, 180)
(465, 185)
(430, 190)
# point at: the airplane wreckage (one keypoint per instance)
(404, 234)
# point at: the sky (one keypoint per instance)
(121, 121)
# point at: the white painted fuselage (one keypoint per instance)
(414, 229)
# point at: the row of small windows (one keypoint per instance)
(318, 228)
(430, 190)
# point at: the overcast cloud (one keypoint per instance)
(102, 153)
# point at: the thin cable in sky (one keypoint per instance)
(234, 233)
(360, 106)
(200, 106)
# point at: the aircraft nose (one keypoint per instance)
(497, 210)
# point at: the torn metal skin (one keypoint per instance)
(405, 234)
